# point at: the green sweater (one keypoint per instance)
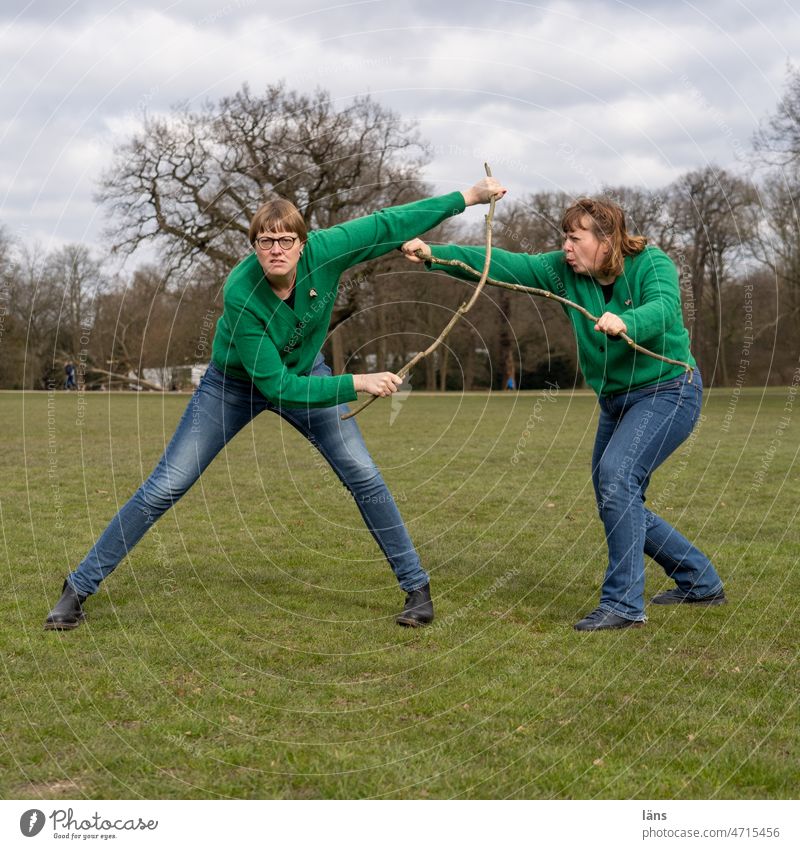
(260, 338)
(646, 296)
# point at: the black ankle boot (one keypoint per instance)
(67, 613)
(418, 608)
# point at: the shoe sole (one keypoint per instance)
(412, 623)
(62, 626)
(609, 628)
(703, 602)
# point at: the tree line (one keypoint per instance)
(186, 185)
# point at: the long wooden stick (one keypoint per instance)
(457, 315)
(123, 378)
(543, 293)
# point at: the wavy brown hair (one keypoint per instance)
(606, 221)
(277, 215)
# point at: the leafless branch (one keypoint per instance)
(543, 293)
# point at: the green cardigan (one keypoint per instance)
(262, 339)
(646, 297)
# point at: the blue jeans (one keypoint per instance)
(219, 409)
(637, 431)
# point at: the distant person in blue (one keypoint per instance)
(510, 384)
(69, 370)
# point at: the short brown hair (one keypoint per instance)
(277, 215)
(607, 222)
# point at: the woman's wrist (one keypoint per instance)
(483, 192)
(358, 382)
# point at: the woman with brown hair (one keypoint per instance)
(648, 407)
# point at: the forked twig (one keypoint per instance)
(457, 315)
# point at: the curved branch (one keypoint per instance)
(543, 293)
(457, 315)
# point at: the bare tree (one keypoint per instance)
(714, 214)
(189, 183)
(9, 341)
(143, 323)
(76, 278)
(33, 313)
(777, 141)
(778, 246)
(647, 213)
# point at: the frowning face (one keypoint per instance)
(278, 253)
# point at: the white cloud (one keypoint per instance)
(637, 94)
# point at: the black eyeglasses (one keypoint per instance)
(285, 242)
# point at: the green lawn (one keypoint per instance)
(247, 647)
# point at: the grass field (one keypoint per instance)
(247, 647)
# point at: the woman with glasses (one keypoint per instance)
(266, 356)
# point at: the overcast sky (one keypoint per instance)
(553, 94)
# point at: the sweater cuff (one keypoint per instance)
(347, 391)
(442, 252)
(640, 329)
(630, 321)
(457, 202)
